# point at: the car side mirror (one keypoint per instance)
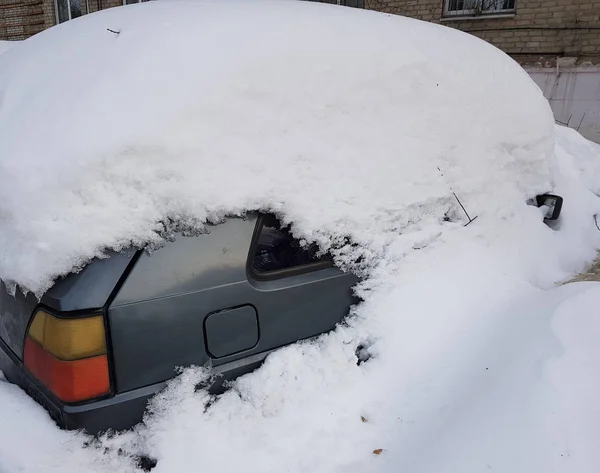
(552, 202)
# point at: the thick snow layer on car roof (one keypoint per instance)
(6, 45)
(346, 122)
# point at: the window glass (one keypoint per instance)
(276, 249)
(62, 7)
(75, 8)
(478, 7)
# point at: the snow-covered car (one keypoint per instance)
(191, 182)
(6, 45)
(101, 342)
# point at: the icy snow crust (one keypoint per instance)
(338, 120)
(335, 118)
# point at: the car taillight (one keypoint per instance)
(68, 355)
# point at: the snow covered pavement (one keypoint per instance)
(592, 273)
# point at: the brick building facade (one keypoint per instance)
(20, 19)
(525, 29)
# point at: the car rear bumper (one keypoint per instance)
(119, 412)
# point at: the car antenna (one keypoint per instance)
(458, 200)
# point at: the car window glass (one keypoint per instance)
(276, 249)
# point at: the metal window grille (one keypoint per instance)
(478, 7)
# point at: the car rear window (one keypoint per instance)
(275, 252)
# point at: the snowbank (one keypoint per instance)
(336, 118)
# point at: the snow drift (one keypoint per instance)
(338, 120)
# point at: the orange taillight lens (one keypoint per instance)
(68, 356)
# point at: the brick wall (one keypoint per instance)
(537, 28)
(49, 13)
(20, 19)
(546, 28)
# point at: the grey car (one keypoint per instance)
(101, 342)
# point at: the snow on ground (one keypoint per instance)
(337, 119)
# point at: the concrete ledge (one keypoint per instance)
(562, 69)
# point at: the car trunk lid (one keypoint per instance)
(89, 289)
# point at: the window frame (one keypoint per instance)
(84, 10)
(278, 273)
(68, 10)
(476, 12)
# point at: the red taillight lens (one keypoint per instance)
(68, 356)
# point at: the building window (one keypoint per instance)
(67, 10)
(454, 8)
(131, 2)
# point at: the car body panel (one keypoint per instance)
(124, 410)
(92, 286)
(117, 412)
(190, 263)
(191, 278)
(195, 301)
(231, 331)
(87, 290)
(15, 312)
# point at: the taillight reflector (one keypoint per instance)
(68, 356)
(70, 381)
(69, 339)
